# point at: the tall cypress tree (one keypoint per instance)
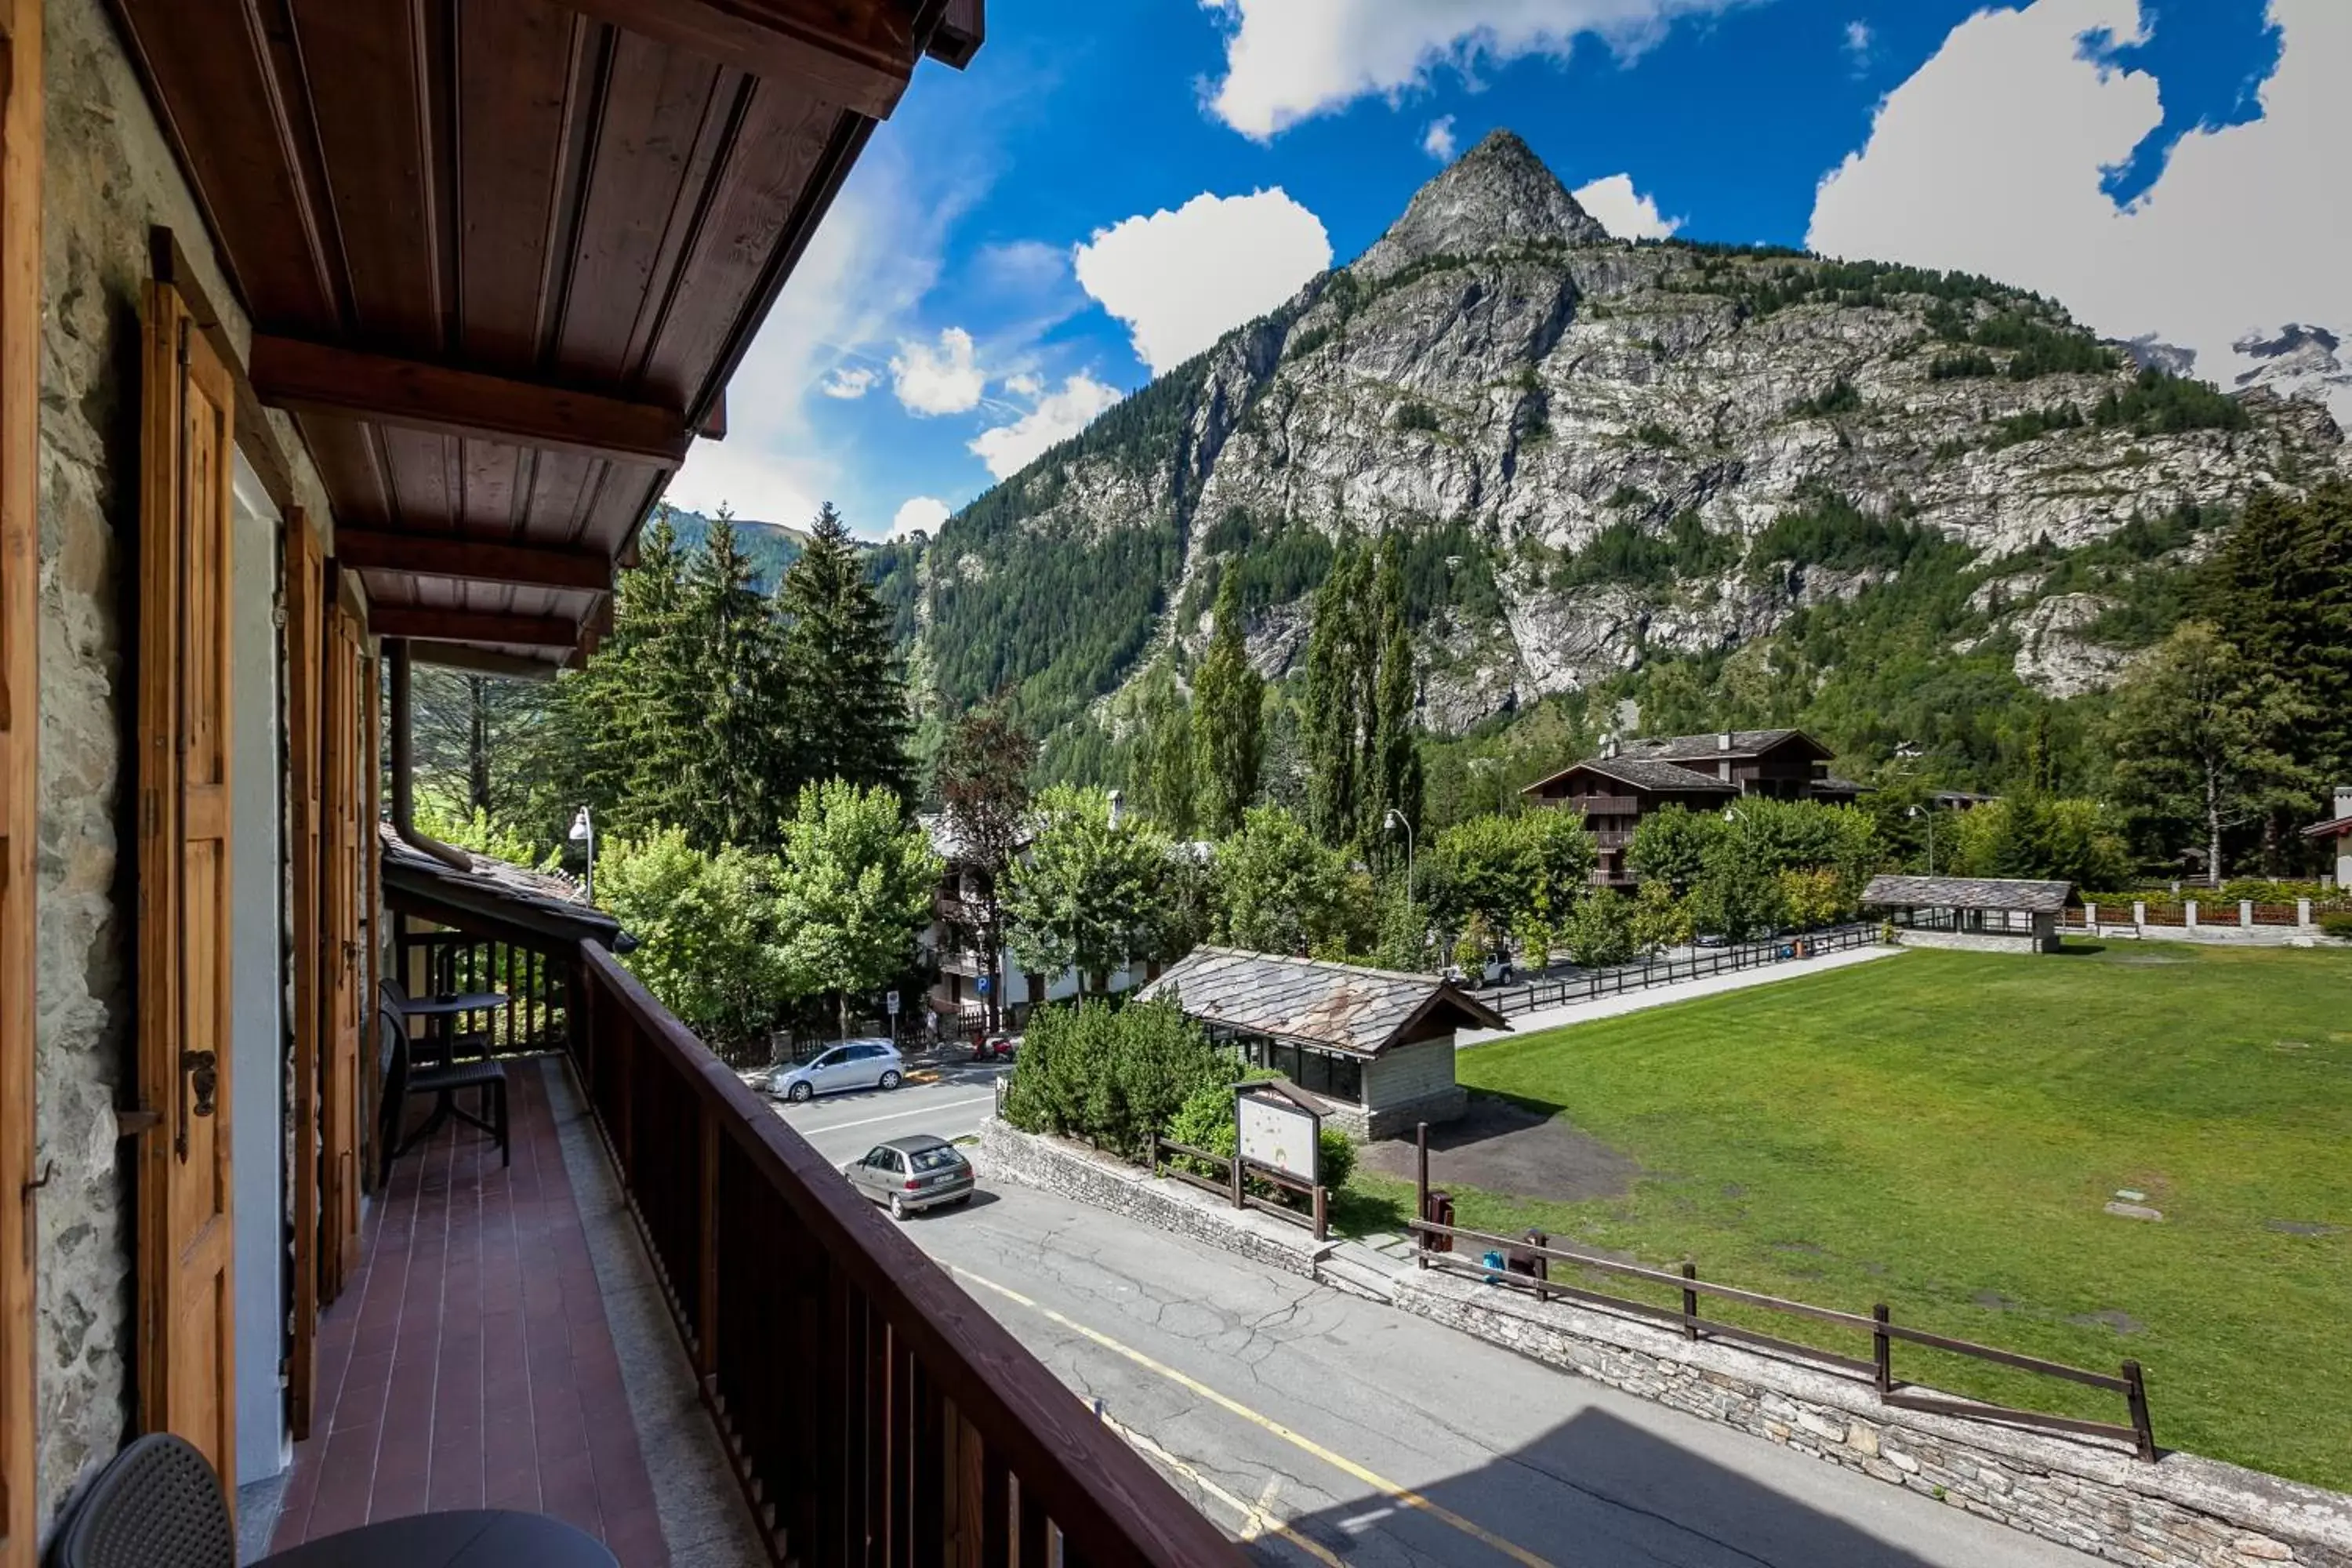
(1161, 777)
(1229, 705)
(1333, 701)
(850, 718)
(1395, 779)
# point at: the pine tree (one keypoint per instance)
(730, 669)
(1334, 701)
(2279, 589)
(850, 718)
(1229, 699)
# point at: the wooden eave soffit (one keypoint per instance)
(473, 561)
(858, 56)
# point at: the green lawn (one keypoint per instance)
(1938, 1132)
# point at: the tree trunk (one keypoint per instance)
(478, 744)
(841, 1013)
(2212, 824)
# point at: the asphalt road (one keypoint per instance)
(844, 1126)
(1325, 1429)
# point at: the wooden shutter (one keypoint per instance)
(20, 309)
(306, 647)
(349, 1009)
(186, 1300)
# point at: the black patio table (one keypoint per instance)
(444, 1011)
(478, 1538)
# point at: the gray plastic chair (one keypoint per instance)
(157, 1505)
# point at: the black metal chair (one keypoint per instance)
(157, 1505)
(403, 1079)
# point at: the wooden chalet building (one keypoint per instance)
(1613, 791)
(338, 336)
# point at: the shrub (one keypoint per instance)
(1838, 397)
(1416, 417)
(1205, 1121)
(1111, 1075)
(2337, 923)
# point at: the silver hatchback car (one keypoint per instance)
(912, 1173)
(853, 1064)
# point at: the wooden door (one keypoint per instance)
(20, 312)
(306, 650)
(187, 1302)
(350, 1010)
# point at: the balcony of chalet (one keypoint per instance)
(663, 1317)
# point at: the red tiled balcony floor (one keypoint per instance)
(470, 1364)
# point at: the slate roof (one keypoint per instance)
(543, 900)
(1690, 748)
(1644, 772)
(1966, 893)
(1338, 1006)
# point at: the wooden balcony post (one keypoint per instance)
(706, 1332)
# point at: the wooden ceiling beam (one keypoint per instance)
(315, 378)
(483, 661)
(800, 45)
(472, 626)
(473, 560)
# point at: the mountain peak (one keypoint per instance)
(1497, 193)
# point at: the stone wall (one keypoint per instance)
(1968, 940)
(2183, 1511)
(109, 177)
(1109, 1182)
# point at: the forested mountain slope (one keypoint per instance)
(1610, 458)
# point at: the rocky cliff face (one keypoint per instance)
(1498, 370)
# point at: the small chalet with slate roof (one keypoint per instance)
(1989, 913)
(1374, 1048)
(1613, 791)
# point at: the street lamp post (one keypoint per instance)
(1397, 819)
(1917, 811)
(583, 832)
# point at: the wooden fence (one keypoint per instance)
(1438, 1238)
(1234, 1184)
(872, 1411)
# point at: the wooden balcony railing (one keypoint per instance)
(535, 981)
(875, 1413)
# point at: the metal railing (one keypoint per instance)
(872, 1411)
(1524, 1266)
(1616, 982)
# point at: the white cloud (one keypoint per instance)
(1858, 39)
(1009, 448)
(1623, 211)
(1180, 279)
(1024, 384)
(1989, 159)
(919, 514)
(942, 380)
(1438, 139)
(1287, 60)
(850, 382)
(869, 264)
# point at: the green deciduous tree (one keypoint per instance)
(2036, 835)
(1229, 699)
(2202, 736)
(706, 928)
(1661, 918)
(1599, 931)
(1504, 870)
(856, 888)
(1333, 704)
(1161, 781)
(1275, 889)
(1393, 758)
(1087, 896)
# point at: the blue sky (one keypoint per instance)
(962, 307)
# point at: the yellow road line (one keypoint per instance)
(1404, 1495)
(1256, 1519)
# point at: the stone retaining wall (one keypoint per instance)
(1107, 1182)
(2182, 1512)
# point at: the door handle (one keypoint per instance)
(202, 1068)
